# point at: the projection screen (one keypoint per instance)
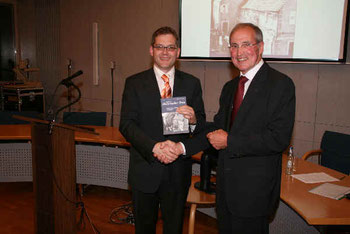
(310, 30)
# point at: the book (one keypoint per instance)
(173, 122)
(329, 190)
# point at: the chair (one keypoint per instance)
(197, 197)
(85, 118)
(334, 152)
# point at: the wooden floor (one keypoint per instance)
(17, 210)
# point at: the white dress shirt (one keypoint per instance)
(250, 75)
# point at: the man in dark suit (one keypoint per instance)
(250, 136)
(157, 175)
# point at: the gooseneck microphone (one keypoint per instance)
(67, 81)
(51, 115)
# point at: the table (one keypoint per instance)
(105, 163)
(315, 209)
(107, 135)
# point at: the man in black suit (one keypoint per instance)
(157, 175)
(250, 136)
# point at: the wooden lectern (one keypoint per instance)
(54, 176)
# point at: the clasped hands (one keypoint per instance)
(167, 151)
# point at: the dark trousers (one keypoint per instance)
(171, 199)
(229, 223)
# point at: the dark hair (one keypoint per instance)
(257, 30)
(163, 31)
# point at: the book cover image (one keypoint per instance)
(173, 122)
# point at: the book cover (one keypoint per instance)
(173, 122)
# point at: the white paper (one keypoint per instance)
(331, 190)
(318, 177)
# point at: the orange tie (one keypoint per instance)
(166, 92)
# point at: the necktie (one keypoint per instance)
(238, 97)
(166, 92)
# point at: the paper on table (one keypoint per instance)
(331, 190)
(317, 177)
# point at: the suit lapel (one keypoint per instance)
(177, 89)
(151, 89)
(231, 94)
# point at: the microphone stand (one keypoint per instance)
(51, 115)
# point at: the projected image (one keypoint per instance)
(276, 18)
(311, 30)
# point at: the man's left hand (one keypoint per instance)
(218, 139)
(188, 113)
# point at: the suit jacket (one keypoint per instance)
(249, 169)
(141, 124)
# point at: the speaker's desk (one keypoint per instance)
(315, 209)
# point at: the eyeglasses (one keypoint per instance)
(244, 45)
(170, 48)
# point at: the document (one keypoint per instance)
(317, 177)
(329, 190)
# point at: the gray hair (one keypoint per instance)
(257, 30)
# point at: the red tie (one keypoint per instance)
(238, 97)
(166, 92)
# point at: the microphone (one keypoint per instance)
(67, 81)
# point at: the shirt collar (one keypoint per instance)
(252, 72)
(159, 73)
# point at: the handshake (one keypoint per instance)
(167, 151)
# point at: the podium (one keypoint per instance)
(54, 176)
